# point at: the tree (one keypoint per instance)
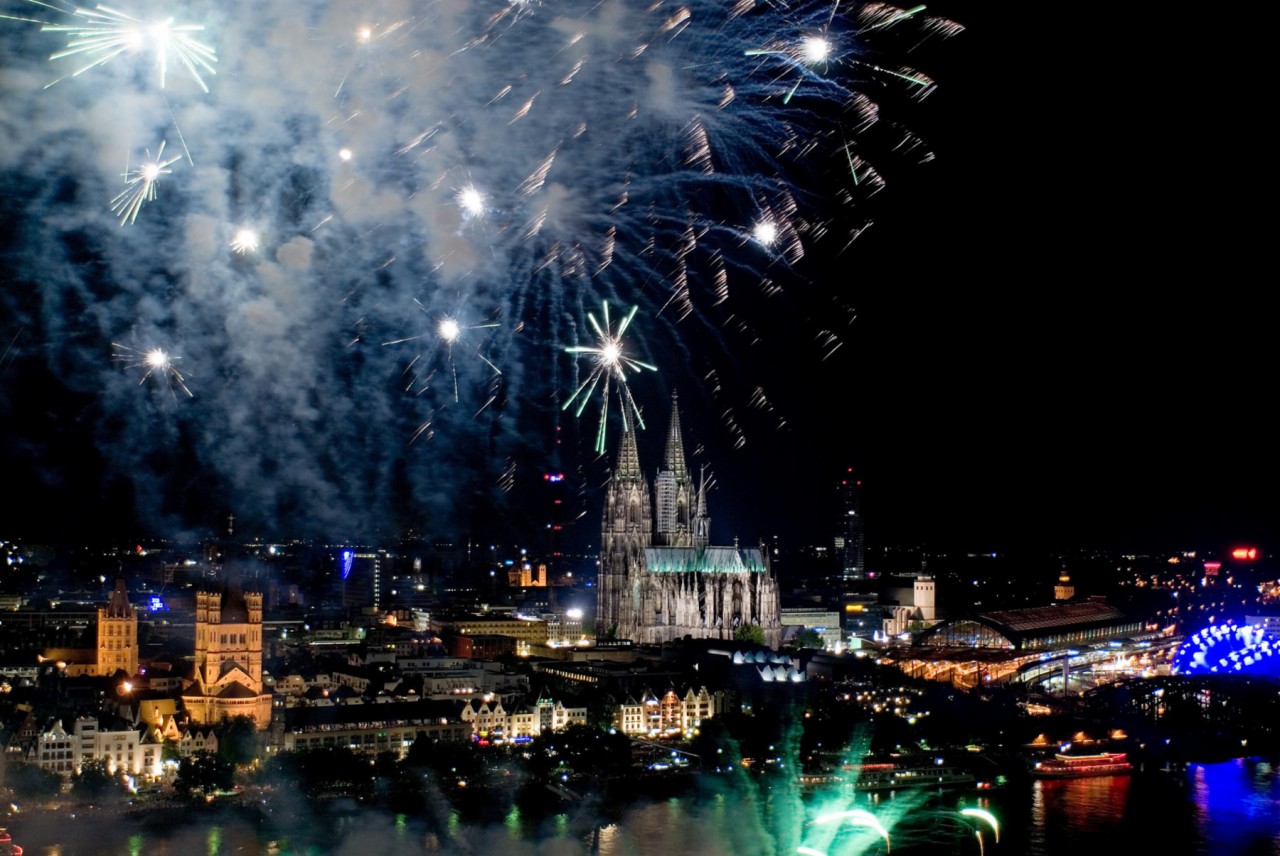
(204, 773)
(95, 781)
(752, 633)
(31, 781)
(238, 741)
(808, 638)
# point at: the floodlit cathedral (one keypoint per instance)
(659, 577)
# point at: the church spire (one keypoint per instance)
(673, 461)
(628, 468)
(701, 521)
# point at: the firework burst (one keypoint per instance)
(244, 241)
(609, 367)
(101, 34)
(155, 363)
(140, 185)
(449, 332)
(500, 159)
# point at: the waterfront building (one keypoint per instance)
(369, 728)
(660, 579)
(668, 714)
(490, 719)
(136, 751)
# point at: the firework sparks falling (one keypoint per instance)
(155, 363)
(140, 185)
(609, 367)
(103, 33)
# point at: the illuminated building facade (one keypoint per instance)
(1034, 629)
(491, 720)
(670, 713)
(117, 635)
(228, 660)
(659, 578)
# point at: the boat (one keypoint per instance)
(893, 777)
(870, 777)
(7, 847)
(1062, 766)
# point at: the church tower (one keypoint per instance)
(117, 635)
(673, 490)
(228, 659)
(627, 531)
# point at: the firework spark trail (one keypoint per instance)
(659, 157)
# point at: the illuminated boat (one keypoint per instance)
(7, 847)
(870, 776)
(1083, 766)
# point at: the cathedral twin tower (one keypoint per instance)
(659, 577)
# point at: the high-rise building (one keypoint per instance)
(228, 659)
(659, 577)
(117, 635)
(361, 575)
(849, 546)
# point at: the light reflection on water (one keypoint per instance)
(1230, 809)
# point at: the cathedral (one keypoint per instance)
(659, 577)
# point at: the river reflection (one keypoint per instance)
(1230, 809)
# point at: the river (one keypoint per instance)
(1227, 809)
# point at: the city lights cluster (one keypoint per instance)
(903, 702)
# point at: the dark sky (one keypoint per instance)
(1053, 333)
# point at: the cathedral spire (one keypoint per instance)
(628, 468)
(673, 461)
(701, 521)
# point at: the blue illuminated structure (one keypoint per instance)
(1229, 648)
(348, 556)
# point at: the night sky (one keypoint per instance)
(1050, 332)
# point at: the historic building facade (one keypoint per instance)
(659, 577)
(117, 635)
(228, 660)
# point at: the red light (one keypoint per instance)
(1245, 553)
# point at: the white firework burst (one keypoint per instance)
(155, 363)
(609, 367)
(140, 184)
(101, 34)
